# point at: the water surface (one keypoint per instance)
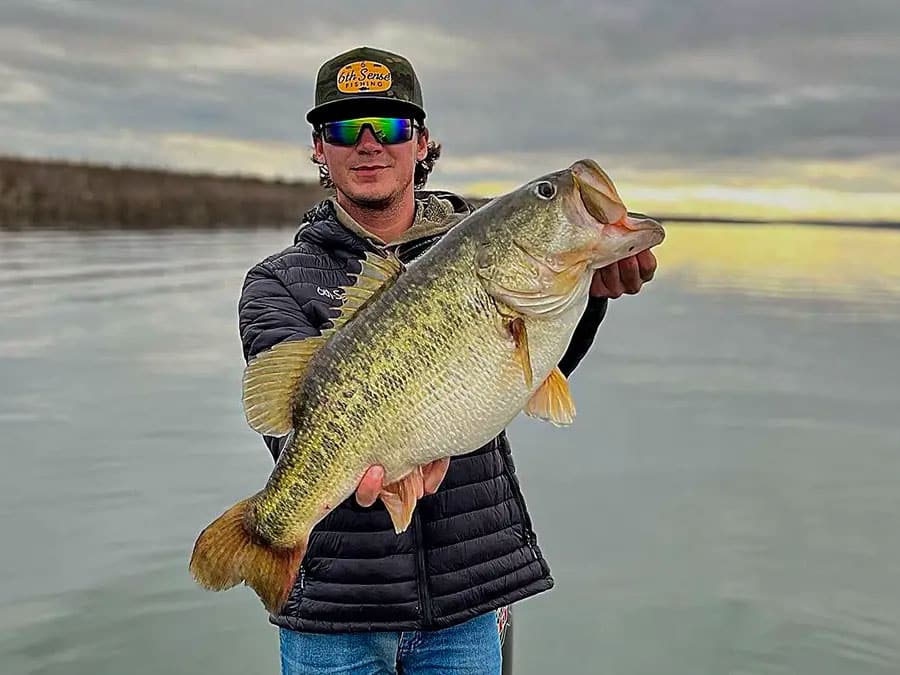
(728, 500)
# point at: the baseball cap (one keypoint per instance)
(366, 81)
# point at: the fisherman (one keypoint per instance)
(367, 600)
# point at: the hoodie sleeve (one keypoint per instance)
(583, 337)
(269, 314)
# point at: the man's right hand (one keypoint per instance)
(373, 481)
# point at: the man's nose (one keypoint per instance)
(367, 141)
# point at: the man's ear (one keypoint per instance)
(318, 150)
(422, 144)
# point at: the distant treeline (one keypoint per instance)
(36, 193)
(43, 193)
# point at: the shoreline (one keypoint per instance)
(75, 195)
(60, 194)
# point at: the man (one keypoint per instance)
(366, 599)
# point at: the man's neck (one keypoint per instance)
(386, 222)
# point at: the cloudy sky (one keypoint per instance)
(753, 107)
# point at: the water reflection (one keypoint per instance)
(847, 264)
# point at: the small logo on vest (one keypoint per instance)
(332, 293)
(363, 76)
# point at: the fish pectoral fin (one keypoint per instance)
(271, 381)
(400, 498)
(376, 275)
(552, 401)
(516, 328)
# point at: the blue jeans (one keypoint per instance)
(470, 648)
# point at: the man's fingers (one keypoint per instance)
(372, 482)
(370, 485)
(630, 274)
(626, 276)
(647, 263)
(434, 473)
(598, 288)
(612, 280)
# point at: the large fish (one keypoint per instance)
(420, 365)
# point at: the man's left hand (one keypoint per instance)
(625, 276)
(369, 488)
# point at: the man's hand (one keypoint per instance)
(373, 481)
(625, 276)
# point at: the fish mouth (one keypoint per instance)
(598, 196)
(597, 192)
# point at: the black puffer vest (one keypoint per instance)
(471, 547)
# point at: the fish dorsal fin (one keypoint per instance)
(272, 379)
(377, 274)
(270, 382)
(552, 401)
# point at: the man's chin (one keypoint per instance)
(371, 200)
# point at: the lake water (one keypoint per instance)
(728, 500)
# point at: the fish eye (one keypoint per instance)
(545, 190)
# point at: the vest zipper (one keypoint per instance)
(421, 582)
(528, 535)
(528, 532)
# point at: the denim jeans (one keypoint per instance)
(470, 648)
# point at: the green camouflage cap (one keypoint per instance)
(366, 81)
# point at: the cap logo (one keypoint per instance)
(363, 76)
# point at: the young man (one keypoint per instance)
(366, 599)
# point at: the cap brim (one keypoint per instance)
(363, 106)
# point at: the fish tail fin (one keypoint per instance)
(226, 554)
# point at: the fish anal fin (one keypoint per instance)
(552, 401)
(400, 498)
(516, 328)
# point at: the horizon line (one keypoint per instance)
(480, 199)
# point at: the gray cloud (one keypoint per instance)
(653, 83)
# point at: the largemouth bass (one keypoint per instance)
(421, 364)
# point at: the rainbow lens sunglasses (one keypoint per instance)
(388, 130)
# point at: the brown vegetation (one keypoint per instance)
(38, 193)
(54, 194)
